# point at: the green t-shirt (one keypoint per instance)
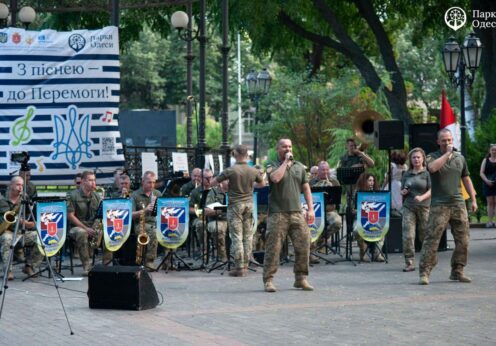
(418, 184)
(347, 161)
(446, 188)
(241, 178)
(285, 195)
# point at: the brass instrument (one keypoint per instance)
(363, 125)
(95, 241)
(9, 218)
(142, 239)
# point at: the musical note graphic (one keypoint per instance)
(76, 144)
(41, 166)
(21, 133)
(107, 117)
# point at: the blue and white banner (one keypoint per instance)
(172, 222)
(373, 214)
(52, 226)
(117, 221)
(318, 206)
(59, 102)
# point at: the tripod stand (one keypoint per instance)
(348, 176)
(25, 204)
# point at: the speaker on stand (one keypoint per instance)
(424, 136)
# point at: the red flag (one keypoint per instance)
(448, 120)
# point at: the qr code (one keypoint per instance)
(108, 145)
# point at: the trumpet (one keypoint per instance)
(9, 218)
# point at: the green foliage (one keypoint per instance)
(477, 151)
(213, 133)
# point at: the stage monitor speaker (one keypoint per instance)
(394, 237)
(121, 287)
(424, 136)
(389, 134)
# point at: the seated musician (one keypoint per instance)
(123, 192)
(196, 204)
(333, 220)
(217, 219)
(82, 208)
(12, 202)
(193, 183)
(143, 203)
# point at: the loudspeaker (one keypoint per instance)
(394, 237)
(388, 134)
(424, 136)
(121, 287)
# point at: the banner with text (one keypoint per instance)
(52, 226)
(318, 206)
(172, 222)
(373, 214)
(59, 103)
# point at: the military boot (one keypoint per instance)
(362, 245)
(460, 277)
(28, 270)
(301, 282)
(424, 279)
(269, 286)
(409, 266)
(238, 272)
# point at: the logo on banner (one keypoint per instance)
(171, 224)
(318, 225)
(52, 228)
(373, 216)
(77, 42)
(4, 37)
(16, 38)
(117, 224)
(455, 18)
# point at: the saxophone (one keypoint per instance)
(142, 239)
(9, 218)
(95, 241)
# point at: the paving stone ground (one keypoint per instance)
(367, 304)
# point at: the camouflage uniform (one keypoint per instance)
(286, 218)
(85, 209)
(30, 239)
(140, 201)
(195, 199)
(447, 207)
(218, 225)
(240, 210)
(414, 213)
(333, 220)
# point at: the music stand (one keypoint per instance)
(332, 196)
(348, 176)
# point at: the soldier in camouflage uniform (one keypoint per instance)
(447, 167)
(82, 208)
(240, 208)
(217, 220)
(333, 220)
(416, 191)
(287, 179)
(143, 202)
(197, 202)
(12, 201)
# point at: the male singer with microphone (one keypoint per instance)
(447, 167)
(287, 179)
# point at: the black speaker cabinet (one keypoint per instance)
(121, 287)
(388, 134)
(424, 136)
(394, 237)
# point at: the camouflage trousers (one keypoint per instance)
(218, 229)
(80, 238)
(333, 226)
(258, 243)
(240, 219)
(439, 217)
(279, 226)
(151, 247)
(414, 221)
(30, 239)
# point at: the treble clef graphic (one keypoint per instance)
(20, 131)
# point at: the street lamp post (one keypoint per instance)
(181, 21)
(455, 64)
(258, 85)
(26, 15)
